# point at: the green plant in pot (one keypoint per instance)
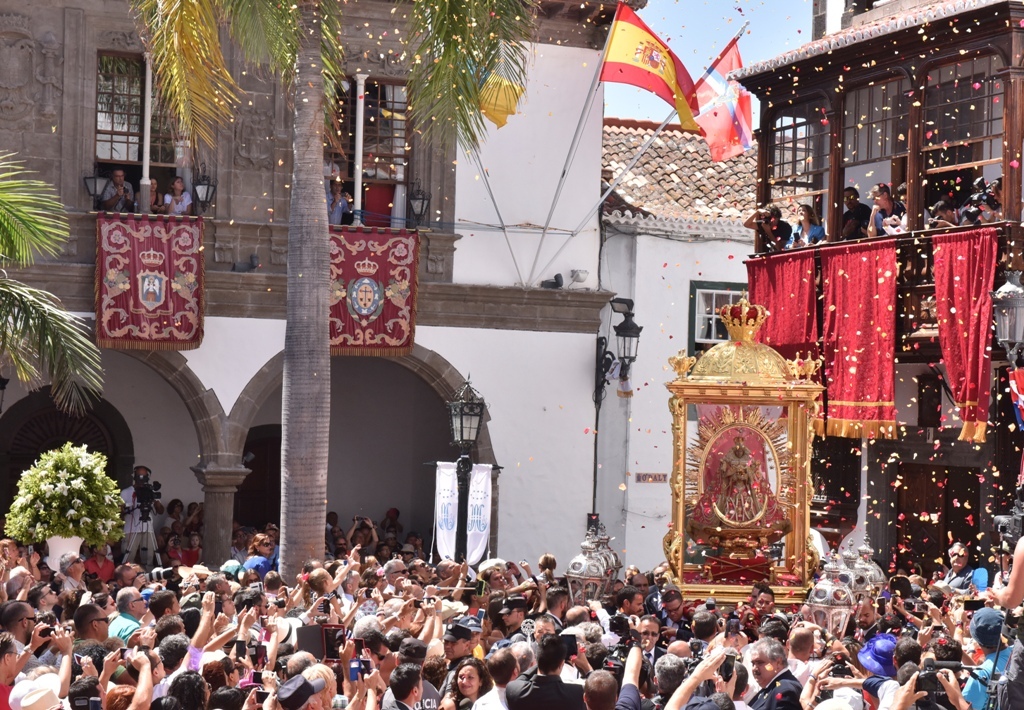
(66, 498)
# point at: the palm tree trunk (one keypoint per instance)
(306, 397)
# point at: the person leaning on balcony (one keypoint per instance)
(177, 201)
(884, 210)
(768, 223)
(809, 231)
(118, 195)
(989, 214)
(943, 215)
(156, 200)
(857, 216)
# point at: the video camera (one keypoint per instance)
(615, 663)
(982, 195)
(147, 492)
(1011, 526)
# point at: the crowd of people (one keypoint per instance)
(887, 215)
(375, 623)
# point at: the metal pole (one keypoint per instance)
(357, 189)
(147, 119)
(463, 467)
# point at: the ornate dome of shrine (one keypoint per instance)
(740, 359)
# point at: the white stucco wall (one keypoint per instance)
(665, 269)
(524, 160)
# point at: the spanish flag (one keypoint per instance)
(636, 56)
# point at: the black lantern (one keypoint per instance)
(466, 414)
(95, 185)
(205, 189)
(1008, 304)
(627, 336)
(419, 203)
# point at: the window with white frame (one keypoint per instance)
(708, 327)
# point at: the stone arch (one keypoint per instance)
(439, 374)
(201, 402)
(431, 367)
(33, 424)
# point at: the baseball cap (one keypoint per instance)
(413, 648)
(516, 601)
(296, 692)
(458, 632)
(671, 593)
(986, 627)
(471, 623)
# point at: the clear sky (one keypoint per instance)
(696, 30)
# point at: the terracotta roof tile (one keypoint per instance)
(675, 178)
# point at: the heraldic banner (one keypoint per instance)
(373, 290)
(446, 511)
(149, 282)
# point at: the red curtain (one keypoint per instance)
(784, 284)
(965, 267)
(859, 283)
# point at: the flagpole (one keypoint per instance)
(643, 149)
(588, 104)
(711, 66)
(494, 203)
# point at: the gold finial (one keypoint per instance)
(742, 319)
(803, 367)
(681, 364)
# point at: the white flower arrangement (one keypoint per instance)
(66, 493)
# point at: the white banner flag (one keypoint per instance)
(479, 520)
(446, 511)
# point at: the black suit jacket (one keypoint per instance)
(783, 693)
(532, 691)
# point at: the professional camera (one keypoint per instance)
(162, 574)
(982, 195)
(147, 492)
(1011, 526)
(615, 663)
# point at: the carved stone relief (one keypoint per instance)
(30, 79)
(254, 139)
(375, 61)
(121, 41)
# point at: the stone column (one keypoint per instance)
(220, 483)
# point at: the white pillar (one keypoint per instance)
(147, 118)
(357, 189)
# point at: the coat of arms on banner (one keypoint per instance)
(149, 282)
(373, 291)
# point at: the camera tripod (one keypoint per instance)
(143, 542)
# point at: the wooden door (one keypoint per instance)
(936, 505)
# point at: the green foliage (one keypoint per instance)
(31, 217)
(66, 493)
(457, 45)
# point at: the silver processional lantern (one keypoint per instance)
(831, 602)
(1008, 306)
(591, 573)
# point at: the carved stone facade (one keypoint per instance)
(30, 81)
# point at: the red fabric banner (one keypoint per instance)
(373, 290)
(784, 284)
(965, 267)
(860, 338)
(149, 282)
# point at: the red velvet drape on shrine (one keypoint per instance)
(784, 284)
(965, 267)
(859, 283)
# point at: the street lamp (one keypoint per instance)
(627, 335)
(205, 188)
(419, 202)
(465, 415)
(1008, 304)
(95, 185)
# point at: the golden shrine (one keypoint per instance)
(742, 419)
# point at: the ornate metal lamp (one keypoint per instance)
(1008, 304)
(831, 602)
(419, 201)
(465, 414)
(590, 574)
(205, 189)
(857, 575)
(95, 185)
(872, 572)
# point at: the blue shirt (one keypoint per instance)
(976, 692)
(260, 564)
(898, 210)
(815, 235)
(334, 216)
(123, 626)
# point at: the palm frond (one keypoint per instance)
(265, 30)
(32, 219)
(38, 336)
(458, 43)
(333, 56)
(188, 63)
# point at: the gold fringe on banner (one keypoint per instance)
(973, 431)
(372, 352)
(856, 429)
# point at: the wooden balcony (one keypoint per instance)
(916, 325)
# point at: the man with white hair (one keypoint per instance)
(71, 569)
(394, 572)
(131, 607)
(780, 690)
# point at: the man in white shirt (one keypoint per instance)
(504, 668)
